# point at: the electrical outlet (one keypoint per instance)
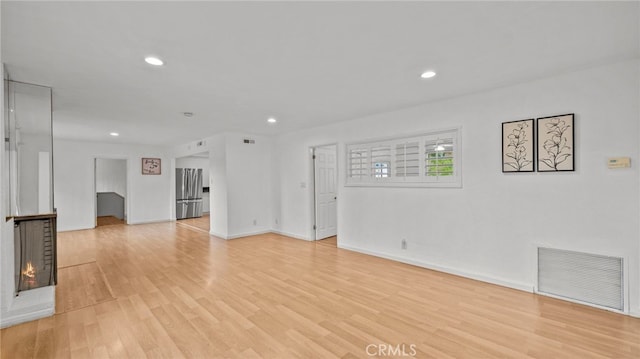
(404, 243)
(276, 221)
(255, 222)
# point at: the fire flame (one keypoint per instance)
(30, 271)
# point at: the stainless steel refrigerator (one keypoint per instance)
(188, 193)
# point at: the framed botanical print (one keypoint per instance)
(151, 166)
(556, 145)
(517, 146)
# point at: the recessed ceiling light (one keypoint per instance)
(272, 120)
(428, 74)
(114, 134)
(188, 114)
(151, 60)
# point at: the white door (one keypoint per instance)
(325, 191)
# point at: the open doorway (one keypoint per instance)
(111, 191)
(192, 191)
(325, 173)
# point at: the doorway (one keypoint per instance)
(111, 191)
(192, 191)
(325, 179)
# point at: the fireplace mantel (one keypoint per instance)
(33, 217)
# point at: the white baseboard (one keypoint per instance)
(635, 313)
(282, 233)
(9, 320)
(483, 278)
(219, 235)
(234, 236)
(535, 290)
(247, 234)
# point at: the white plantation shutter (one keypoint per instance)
(439, 158)
(358, 164)
(381, 162)
(429, 160)
(408, 159)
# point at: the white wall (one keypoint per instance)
(149, 196)
(218, 199)
(248, 184)
(111, 176)
(489, 228)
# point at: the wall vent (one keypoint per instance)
(249, 141)
(588, 278)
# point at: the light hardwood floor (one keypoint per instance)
(181, 293)
(108, 221)
(201, 223)
(331, 241)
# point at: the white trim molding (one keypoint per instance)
(483, 278)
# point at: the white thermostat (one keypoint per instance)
(619, 162)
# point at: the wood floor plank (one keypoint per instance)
(109, 221)
(199, 223)
(76, 247)
(81, 286)
(166, 290)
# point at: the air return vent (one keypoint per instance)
(589, 278)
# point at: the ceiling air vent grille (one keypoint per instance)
(588, 278)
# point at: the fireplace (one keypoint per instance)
(35, 251)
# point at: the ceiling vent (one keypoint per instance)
(249, 141)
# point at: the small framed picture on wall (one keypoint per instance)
(151, 166)
(556, 144)
(517, 146)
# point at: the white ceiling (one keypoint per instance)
(308, 64)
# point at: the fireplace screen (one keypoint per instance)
(35, 252)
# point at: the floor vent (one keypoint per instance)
(589, 278)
